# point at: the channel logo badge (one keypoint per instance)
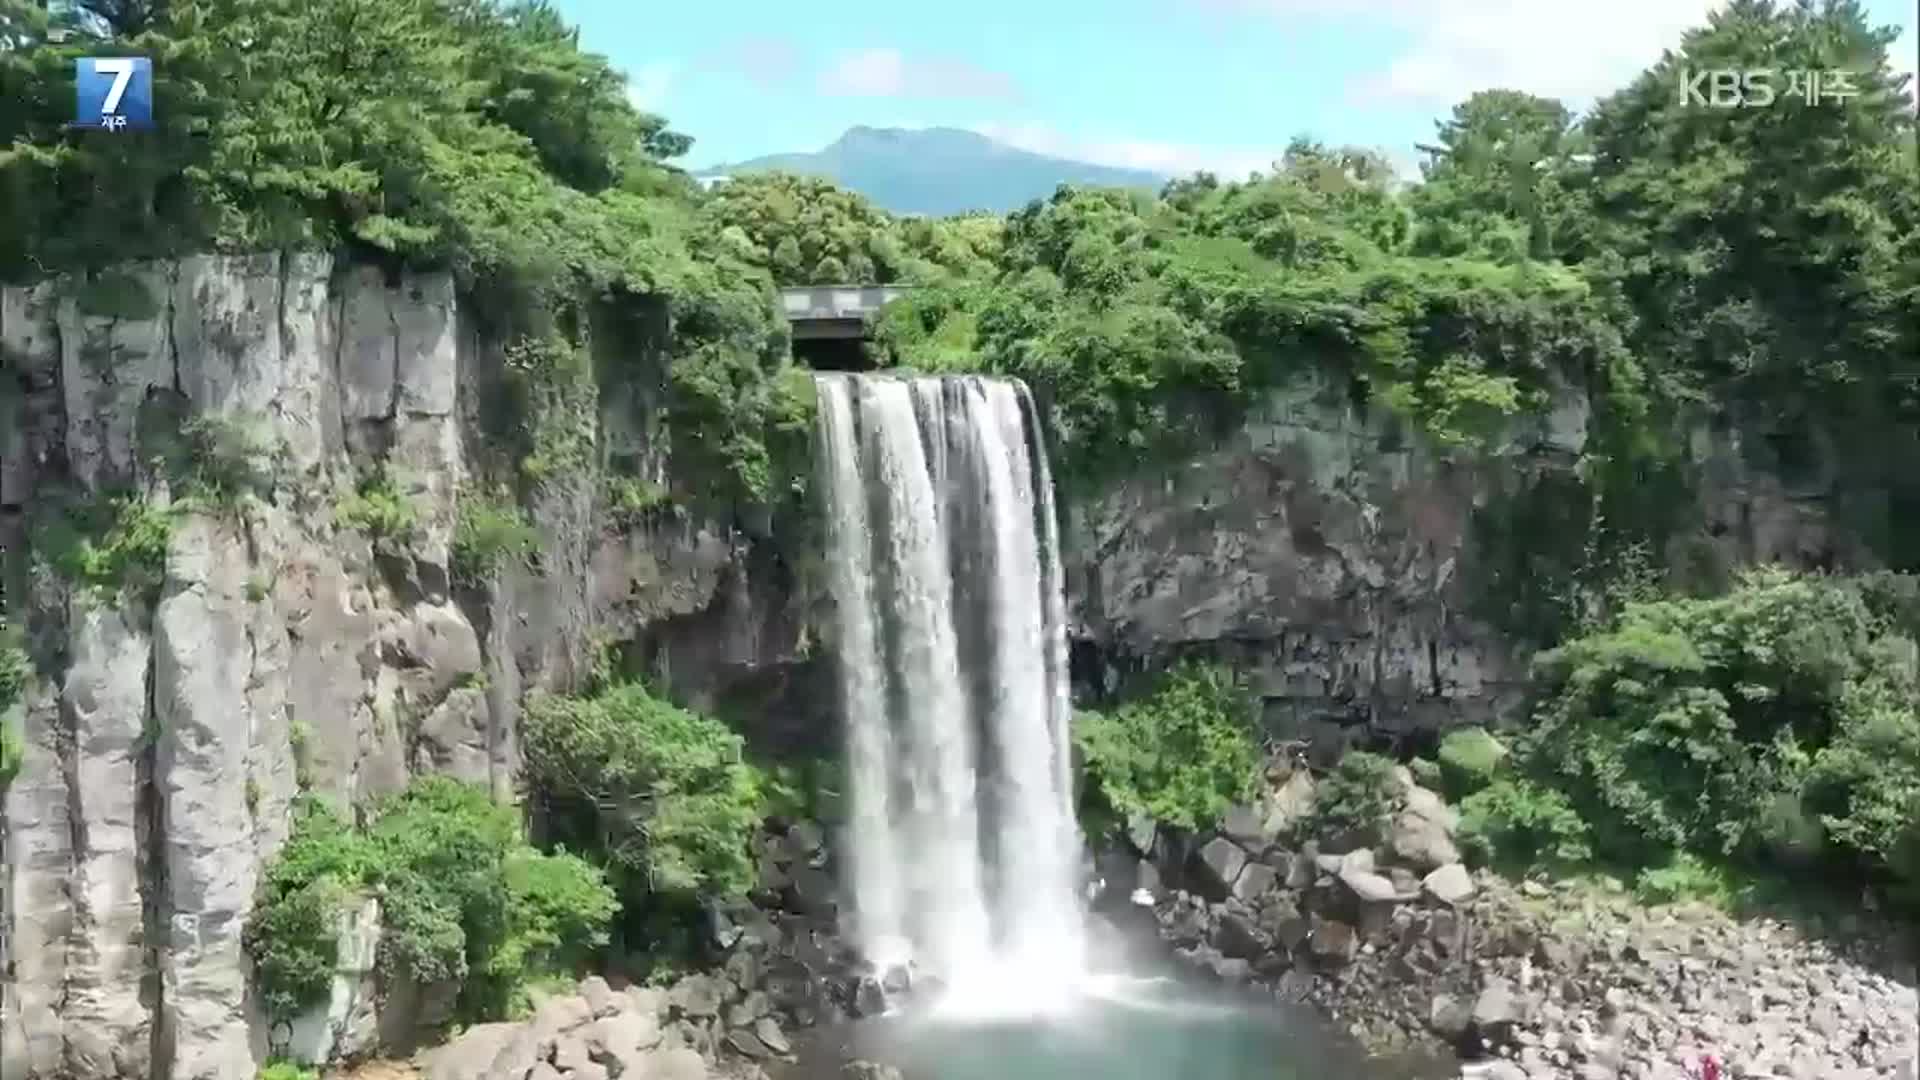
(113, 93)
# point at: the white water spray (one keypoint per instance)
(944, 570)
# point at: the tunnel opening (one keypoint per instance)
(835, 353)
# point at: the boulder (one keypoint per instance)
(677, 1063)
(1451, 884)
(1369, 887)
(1496, 1010)
(1254, 881)
(1140, 834)
(811, 892)
(1449, 1017)
(869, 1070)
(1333, 943)
(1290, 804)
(748, 1045)
(1221, 861)
(1245, 825)
(599, 996)
(1237, 937)
(470, 1054)
(696, 996)
(1421, 842)
(767, 1030)
(752, 1007)
(623, 1035)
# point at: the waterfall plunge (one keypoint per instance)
(945, 572)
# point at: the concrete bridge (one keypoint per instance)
(834, 312)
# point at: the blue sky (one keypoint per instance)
(1165, 84)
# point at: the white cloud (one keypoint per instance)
(1566, 50)
(1176, 159)
(649, 84)
(892, 73)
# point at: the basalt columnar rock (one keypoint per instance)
(280, 647)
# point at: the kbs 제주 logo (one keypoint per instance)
(113, 93)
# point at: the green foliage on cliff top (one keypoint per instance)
(463, 898)
(662, 794)
(467, 135)
(1182, 754)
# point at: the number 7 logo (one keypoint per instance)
(113, 92)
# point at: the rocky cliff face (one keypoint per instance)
(1340, 561)
(169, 729)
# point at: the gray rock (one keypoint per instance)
(744, 1042)
(1221, 861)
(600, 997)
(1451, 884)
(1333, 942)
(869, 1070)
(677, 1063)
(542, 1070)
(697, 996)
(624, 1034)
(469, 1054)
(1140, 834)
(1290, 804)
(1254, 881)
(1496, 1009)
(767, 1030)
(1369, 887)
(1244, 825)
(750, 1008)
(1236, 936)
(1421, 842)
(1449, 1017)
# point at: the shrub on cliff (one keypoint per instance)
(1517, 825)
(662, 794)
(1731, 727)
(463, 898)
(1354, 803)
(1181, 755)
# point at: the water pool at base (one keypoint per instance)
(1121, 1029)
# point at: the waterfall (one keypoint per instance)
(944, 567)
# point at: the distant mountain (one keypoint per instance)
(939, 171)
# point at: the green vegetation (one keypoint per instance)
(1771, 728)
(1182, 754)
(662, 794)
(553, 392)
(287, 1070)
(463, 898)
(490, 528)
(1354, 803)
(1517, 825)
(1469, 758)
(211, 462)
(111, 545)
(379, 508)
(16, 671)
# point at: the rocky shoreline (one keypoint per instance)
(1404, 947)
(1524, 981)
